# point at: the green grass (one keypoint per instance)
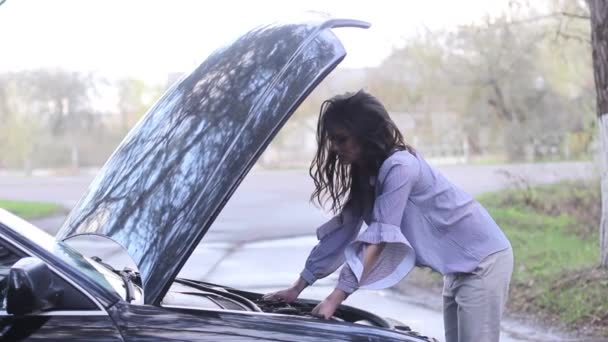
(553, 231)
(30, 210)
(542, 243)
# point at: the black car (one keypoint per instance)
(158, 195)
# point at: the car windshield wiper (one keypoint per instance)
(127, 275)
(130, 289)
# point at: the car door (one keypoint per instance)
(76, 318)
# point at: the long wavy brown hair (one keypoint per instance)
(365, 118)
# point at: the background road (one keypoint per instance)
(276, 202)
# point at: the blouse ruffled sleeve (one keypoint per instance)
(333, 238)
(397, 257)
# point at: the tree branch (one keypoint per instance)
(575, 15)
(560, 33)
(553, 15)
(530, 20)
(574, 37)
(524, 21)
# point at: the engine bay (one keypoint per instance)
(200, 295)
(196, 295)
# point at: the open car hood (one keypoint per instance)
(167, 181)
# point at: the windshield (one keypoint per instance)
(111, 260)
(63, 251)
(90, 268)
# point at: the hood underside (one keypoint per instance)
(167, 181)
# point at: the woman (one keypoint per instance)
(414, 216)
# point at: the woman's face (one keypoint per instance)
(345, 145)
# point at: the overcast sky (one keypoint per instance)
(149, 38)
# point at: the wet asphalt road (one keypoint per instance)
(261, 238)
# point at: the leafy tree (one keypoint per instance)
(42, 109)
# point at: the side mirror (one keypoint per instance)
(30, 287)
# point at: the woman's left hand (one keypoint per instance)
(329, 305)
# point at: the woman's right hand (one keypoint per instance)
(288, 295)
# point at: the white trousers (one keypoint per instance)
(473, 303)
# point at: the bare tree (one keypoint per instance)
(599, 40)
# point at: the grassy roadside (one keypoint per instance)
(554, 233)
(30, 210)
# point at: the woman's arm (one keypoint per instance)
(333, 237)
(326, 256)
(382, 237)
(370, 257)
(289, 294)
(329, 305)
